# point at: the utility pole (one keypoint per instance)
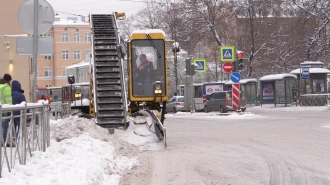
(176, 69)
(35, 50)
(216, 66)
(176, 49)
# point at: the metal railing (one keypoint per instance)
(314, 99)
(59, 110)
(32, 134)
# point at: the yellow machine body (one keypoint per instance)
(142, 84)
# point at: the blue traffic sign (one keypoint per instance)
(201, 65)
(235, 77)
(305, 72)
(227, 53)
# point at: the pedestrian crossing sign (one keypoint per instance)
(227, 54)
(201, 65)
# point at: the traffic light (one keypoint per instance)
(193, 69)
(190, 67)
(240, 60)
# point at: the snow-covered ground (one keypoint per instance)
(83, 153)
(215, 115)
(80, 153)
(139, 134)
(327, 126)
(280, 107)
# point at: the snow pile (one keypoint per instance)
(74, 126)
(42, 102)
(82, 157)
(140, 135)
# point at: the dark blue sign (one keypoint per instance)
(305, 72)
(235, 77)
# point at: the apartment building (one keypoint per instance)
(17, 66)
(72, 45)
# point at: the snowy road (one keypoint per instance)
(281, 147)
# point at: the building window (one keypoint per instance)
(87, 37)
(65, 37)
(48, 71)
(63, 70)
(76, 54)
(48, 57)
(87, 55)
(65, 55)
(49, 85)
(76, 37)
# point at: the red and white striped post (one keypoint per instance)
(235, 96)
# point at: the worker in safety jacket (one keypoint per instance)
(145, 71)
(5, 98)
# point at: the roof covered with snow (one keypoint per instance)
(149, 31)
(19, 35)
(311, 63)
(311, 70)
(80, 64)
(77, 84)
(275, 77)
(243, 81)
(67, 22)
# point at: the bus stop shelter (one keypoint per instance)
(277, 89)
(248, 87)
(312, 91)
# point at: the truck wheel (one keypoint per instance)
(222, 110)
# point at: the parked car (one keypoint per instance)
(221, 101)
(175, 104)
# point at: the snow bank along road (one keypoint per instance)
(281, 147)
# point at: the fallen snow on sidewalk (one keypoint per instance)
(80, 153)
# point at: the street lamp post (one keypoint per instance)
(176, 49)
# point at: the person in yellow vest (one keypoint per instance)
(5, 98)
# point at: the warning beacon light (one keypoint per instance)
(240, 60)
(240, 54)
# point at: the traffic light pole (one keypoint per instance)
(35, 51)
(236, 66)
(189, 87)
(176, 71)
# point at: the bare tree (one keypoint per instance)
(127, 26)
(318, 44)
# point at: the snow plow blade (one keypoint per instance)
(160, 130)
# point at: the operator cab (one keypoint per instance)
(148, 65)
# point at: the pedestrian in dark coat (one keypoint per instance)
(18, 98)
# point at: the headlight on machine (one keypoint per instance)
(77, 95)
(158, 91)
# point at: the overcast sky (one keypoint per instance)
(84, 7)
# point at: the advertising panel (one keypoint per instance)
(268, 91)
(213, 88)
